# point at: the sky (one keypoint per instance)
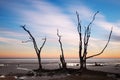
(43, 17)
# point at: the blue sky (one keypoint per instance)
(44, 17)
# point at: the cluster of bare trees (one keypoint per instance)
(38, 50)
(83, 44)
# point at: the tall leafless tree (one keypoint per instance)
(62, 59)
(37, 50)
(84, 40)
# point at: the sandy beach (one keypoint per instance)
(18, 72)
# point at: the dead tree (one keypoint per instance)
(84, 40)
(37, 50)
(62, 59)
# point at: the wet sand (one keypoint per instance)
(15, 71)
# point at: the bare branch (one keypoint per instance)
(33, 39)
(26, 41)
(60, 42)
(87, 35)
(42, 45)
(104, 47)
(93, 19)
(79, 25)
(58, 34)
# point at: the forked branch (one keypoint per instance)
(32, 38)
(38, 51)
(42, 45)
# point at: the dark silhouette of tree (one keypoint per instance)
(38, 50)
(62, 59)
(84, 40)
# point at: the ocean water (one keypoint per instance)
(71, 62)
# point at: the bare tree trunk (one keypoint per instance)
(80, 41)
(62, 59)
(83, 64)
(38, 51)
(39, 61)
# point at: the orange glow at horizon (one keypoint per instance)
(54, 55)
(25, 52)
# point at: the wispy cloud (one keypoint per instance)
(116, 37)
(47, 19)
(43, 18)
(11, 33)
(9, 40)
(86, 14)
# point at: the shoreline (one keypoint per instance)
(11, 70)
(106, 68)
